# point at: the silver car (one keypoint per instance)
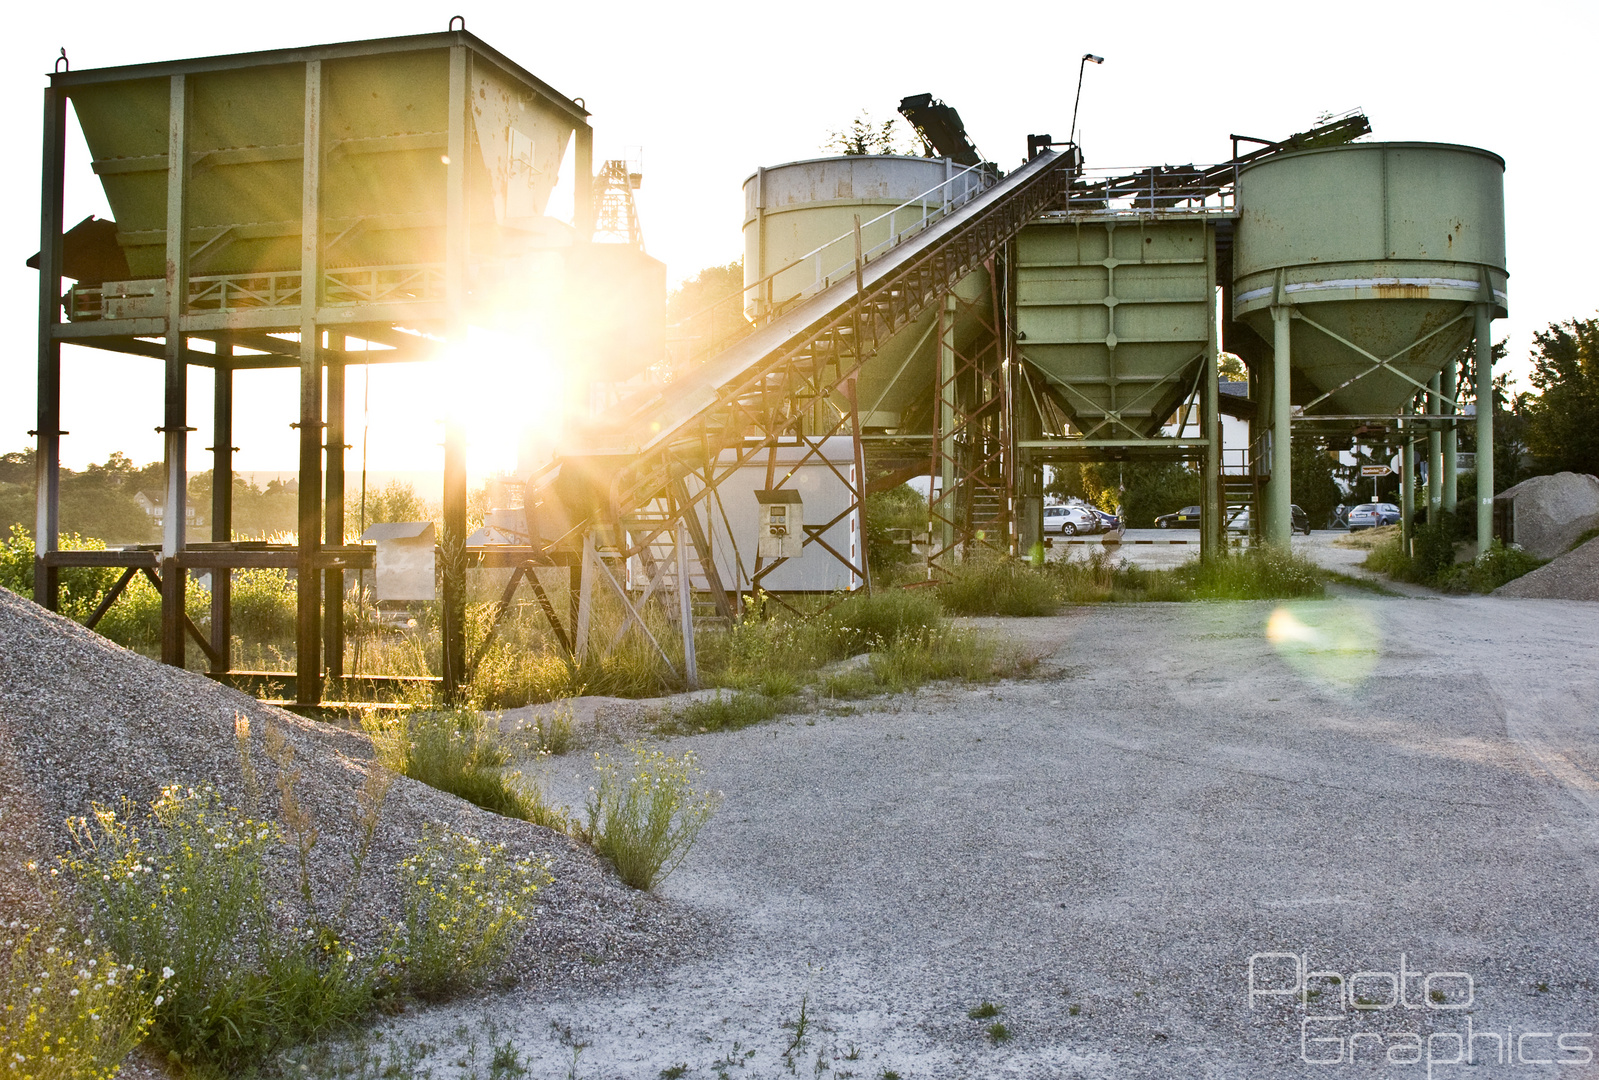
(1070, 520)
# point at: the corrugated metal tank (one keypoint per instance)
(1115, 313)
(1381, 243)
(791, 210)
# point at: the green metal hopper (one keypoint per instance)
(1381, 249)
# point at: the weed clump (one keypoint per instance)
(68, 1008)
(205, 950)
(458, 751)
(466, 906)
(995, 586)
(644, 815)
(1497, 566)
(1265, 572)
(720, 713)
(185, 893)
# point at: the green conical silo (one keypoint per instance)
(1380, 249)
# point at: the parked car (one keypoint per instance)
(1107, 522)
(1070, 520)
(1186, 518)
(1371, 515)
(1238, 519)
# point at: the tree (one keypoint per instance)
(865, 136)
(705, 314)
(1315, 484)
(1143, 489)
(1562, 421)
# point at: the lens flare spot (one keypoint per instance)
(1334, 644)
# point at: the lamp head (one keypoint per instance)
(1094, 59)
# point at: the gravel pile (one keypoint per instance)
(83, 721)
(1573, 576)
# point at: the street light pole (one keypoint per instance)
(1081, 65)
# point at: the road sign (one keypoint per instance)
(1375, 470)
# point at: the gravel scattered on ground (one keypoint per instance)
(1573, 576)
(1100, 851)
(86, 722)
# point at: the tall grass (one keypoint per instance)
(458, 751)
(1265, 572)
(645, 814)
(211, 914)
(994, 586)
(1011, 587)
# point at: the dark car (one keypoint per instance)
(1186, 518)
(1371, 515)
(1301, 520)
(1107, 522)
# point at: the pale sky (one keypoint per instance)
(711, 90)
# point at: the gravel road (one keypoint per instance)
(1397, 787)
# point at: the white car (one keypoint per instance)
(1070, 520)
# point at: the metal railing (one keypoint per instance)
(828, 263)
(1157, 189)
(213, 293)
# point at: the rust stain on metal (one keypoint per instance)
(1404, 292)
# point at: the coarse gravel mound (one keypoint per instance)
(84, 721)
(1573, 576)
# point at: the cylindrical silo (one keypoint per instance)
(1381, 250)
(792, 210)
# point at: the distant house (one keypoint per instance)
(154, 505)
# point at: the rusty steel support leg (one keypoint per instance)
(1210, 539)
(685, 607)
(452, 543)
(47, 458)
(308, 620)
(859, 494)
(174, 427)
(945, 501)
(222, 504)
(1448, 388)
(1435, 453)
(333, 512)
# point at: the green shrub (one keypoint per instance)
(1497, 566)
(1433, 548)
(645, 815)
(901, 508)
(68, 1008)
(134, 621)
(467, 905)
(263, 604)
